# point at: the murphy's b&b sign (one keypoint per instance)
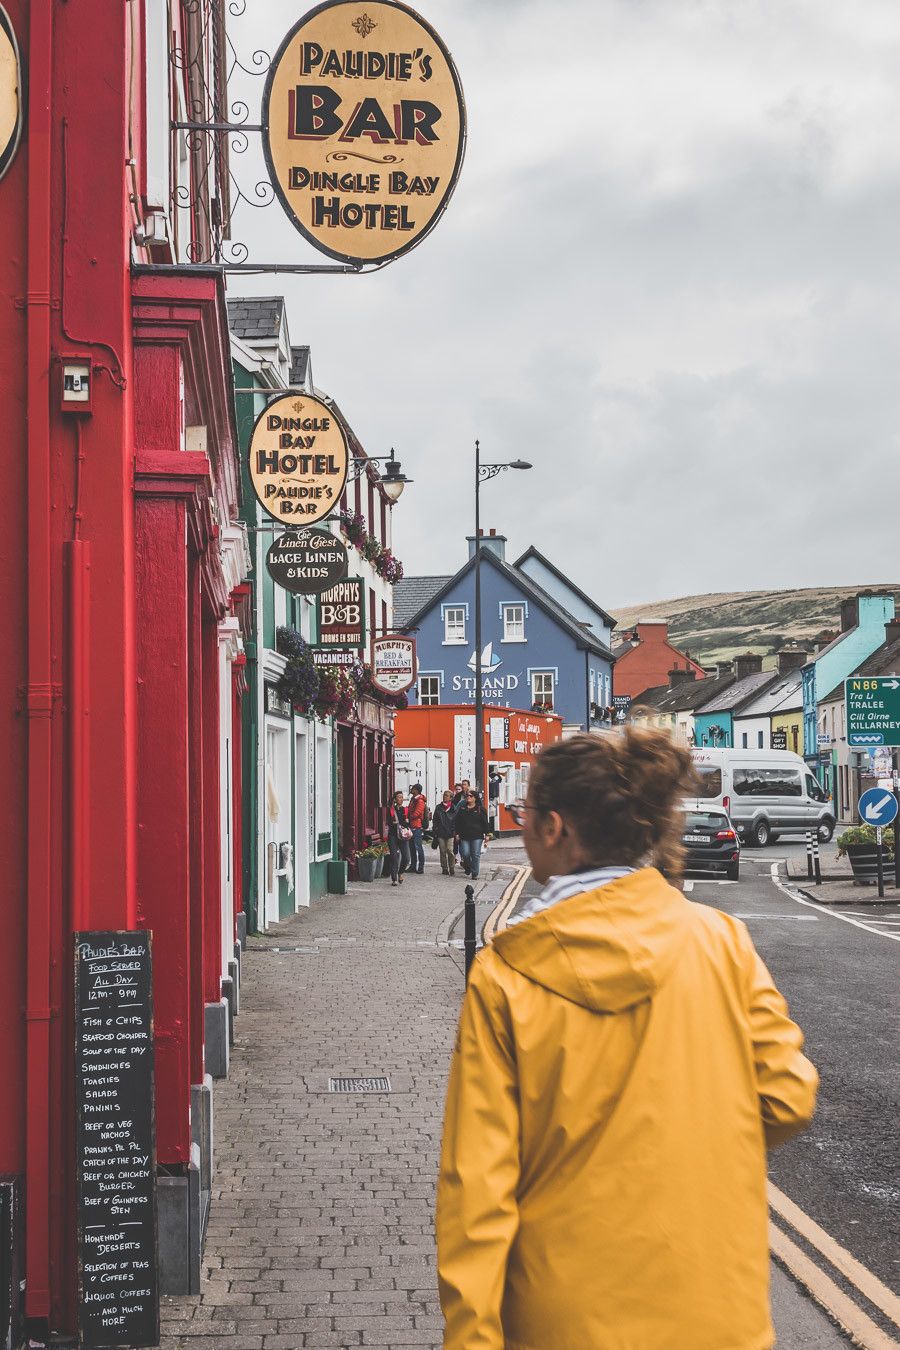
(364, 128)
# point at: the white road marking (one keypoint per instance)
(796, 918)
(821, 909)
(688, 886)
(711, 881)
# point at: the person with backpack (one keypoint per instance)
(443, 829)
(419, 820)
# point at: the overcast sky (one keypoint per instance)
(669, 277)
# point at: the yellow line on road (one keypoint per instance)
(505, 906)
(884, 1299)
(863, 1330)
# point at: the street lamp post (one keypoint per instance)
(482, 473)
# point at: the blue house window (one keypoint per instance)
(429, 690)
(514, 623)
(542, 689)
(455, 624)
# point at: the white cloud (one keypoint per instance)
(668, 278)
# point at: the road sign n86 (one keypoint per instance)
(873, 710)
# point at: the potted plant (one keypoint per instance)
(366, 860)
(859, 845)
(382, 859)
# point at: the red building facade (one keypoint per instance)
(123, 590)
(645, 657)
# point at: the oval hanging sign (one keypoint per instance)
(364, 128)
(10, 93)
(307, 562)
(298, 459)
(394, 666)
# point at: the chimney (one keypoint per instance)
(790, 659)
(722, 668)
(748, 663)
(493, 542)
(677, 677)
(892, 631)
(849, 613)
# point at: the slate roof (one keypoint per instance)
(740, 691)
(411, 596)
(299, 365)
(885, 660)
(532, 552)
(256, 317)
(689, 696)
(787, 687)
(584, 638)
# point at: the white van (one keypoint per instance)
(766, 793)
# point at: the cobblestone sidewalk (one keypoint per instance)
(321, 1225)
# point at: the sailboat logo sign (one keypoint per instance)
(489, 662)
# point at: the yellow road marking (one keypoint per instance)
(884, 1299)
(505, 906)
(864, 1331)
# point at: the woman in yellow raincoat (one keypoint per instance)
(622, 1063)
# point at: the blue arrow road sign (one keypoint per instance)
(877, 807)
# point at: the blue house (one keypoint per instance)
(545, 644)
(863, 618)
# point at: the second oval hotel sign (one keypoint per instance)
(364, 128)
(298, 459)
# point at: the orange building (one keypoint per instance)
(512, 740)
(645, 657)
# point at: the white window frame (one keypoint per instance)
(430, 702)
(541, 676)
(516, 633)
(458, 630)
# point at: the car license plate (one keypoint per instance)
(697, 839)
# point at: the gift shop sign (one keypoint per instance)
(298, 459)
(341, 615)
(393, 663)
(364, 128)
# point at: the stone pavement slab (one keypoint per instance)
(321, 1225)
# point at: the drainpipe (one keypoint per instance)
(39, 689)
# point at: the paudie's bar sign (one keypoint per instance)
(298, 459)
(364, 128)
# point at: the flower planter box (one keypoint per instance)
(864, 864)
(366, 868)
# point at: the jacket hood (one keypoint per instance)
(607, 949)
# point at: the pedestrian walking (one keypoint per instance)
(622, 1063)
(472, 825)
(443, 827)
(399, 836)
(418, 816)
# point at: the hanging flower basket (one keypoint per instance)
(301, 679)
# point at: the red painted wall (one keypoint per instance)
(648, 664)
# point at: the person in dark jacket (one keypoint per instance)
(471, 826)
(399, 835)
(443, 826)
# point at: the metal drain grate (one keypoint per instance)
(359, 1085)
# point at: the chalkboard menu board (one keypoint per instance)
(115, 1143)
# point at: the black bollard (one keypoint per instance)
(809, 856)
(816, 864)
(470, 940)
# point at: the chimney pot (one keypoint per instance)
(892, 631)
(493, 531)
(849, 613)
(748, 663)
(677, 677)
(790, 659)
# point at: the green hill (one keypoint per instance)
(719, 627)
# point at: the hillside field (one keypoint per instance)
(718, 627)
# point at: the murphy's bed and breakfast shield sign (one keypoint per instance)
(364, 128)
(298, 459)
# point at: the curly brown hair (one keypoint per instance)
(621, 794)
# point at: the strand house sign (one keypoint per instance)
(298, 459)
(364, 128)
(306, 562)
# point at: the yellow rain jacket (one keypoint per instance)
(623, 1059)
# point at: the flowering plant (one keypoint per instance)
(337, 693)
(353, 523)
(300, 681)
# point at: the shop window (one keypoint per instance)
(542, 689)
(455, 624)
(760, 740)
(513, 623)
(429, 690)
